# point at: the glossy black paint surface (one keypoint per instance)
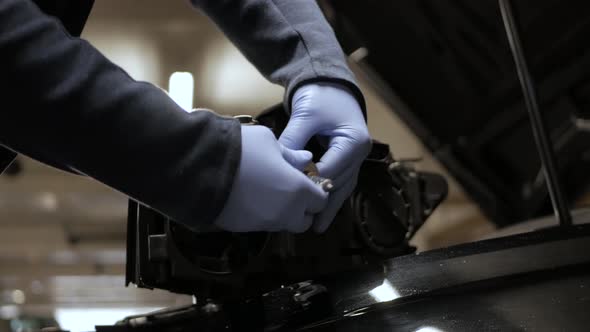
(538, 281)
(554, 304)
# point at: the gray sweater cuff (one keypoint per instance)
(334, 74)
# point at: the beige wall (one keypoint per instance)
(152, 48)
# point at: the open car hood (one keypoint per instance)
(447, 71)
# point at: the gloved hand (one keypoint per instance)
(270, 192)
(330, 109)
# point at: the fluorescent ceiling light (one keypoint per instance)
(181, 88)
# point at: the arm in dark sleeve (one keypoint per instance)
(62, 100)
(289, 41)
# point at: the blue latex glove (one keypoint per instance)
(330, 109)
(270, 193)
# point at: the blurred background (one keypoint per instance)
(62, 237)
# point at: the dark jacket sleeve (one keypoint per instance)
(62, 100)
(289, 41)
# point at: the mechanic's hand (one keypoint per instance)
(330, 109)
(269, 193)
